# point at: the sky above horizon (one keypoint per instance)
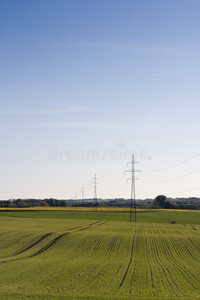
(86, 84)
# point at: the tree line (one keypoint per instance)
(161, 201)
(20, 203)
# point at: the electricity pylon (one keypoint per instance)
(94, 181)
(82, 192)
(133, 215)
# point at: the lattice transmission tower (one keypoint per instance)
(133, 213)
(82, 193)
(94, 181)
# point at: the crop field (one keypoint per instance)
(99, 255)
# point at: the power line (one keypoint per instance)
(171, 179)
(175, 165)
(190, 190)
(115, 182)
(177, 145)
(171, 193)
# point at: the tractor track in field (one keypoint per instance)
(130, 261)
(132, 279)
(35, 243)
(193, 227)
(45, 236)
(74, 228)
(50, 244)
(90, 225)
(94, 223)
(102, 223)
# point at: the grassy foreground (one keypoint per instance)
(99, 255)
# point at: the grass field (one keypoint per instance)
(99, 255)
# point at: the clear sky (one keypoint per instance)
(84, 84)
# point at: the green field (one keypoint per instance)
(99, 255)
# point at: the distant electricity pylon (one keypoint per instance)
(133, 215)
(82, 192)
(94, 182)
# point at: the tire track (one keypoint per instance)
(103, 223)
(42, 238)
(54, 241)
(131, 258)
(94, 223)
(50, 244)
(34, 244)
(132, 279)
(193, 227)
(90, 225)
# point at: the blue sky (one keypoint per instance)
(84, 84)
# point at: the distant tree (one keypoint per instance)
(160, 201)
(51, 202)
(168, 204)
